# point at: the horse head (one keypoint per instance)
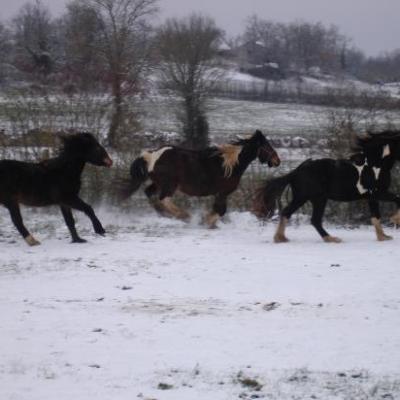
(265, 152)
(85, 146)
(383, 144)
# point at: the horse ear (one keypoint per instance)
(245, 136)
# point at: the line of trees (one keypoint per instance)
(113, 46)
(299, 46)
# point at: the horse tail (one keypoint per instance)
(138, 174)
(267, 196)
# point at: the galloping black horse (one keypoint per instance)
(365, 175)
(211, 171)
(53, 181)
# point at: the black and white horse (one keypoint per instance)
(365, 175)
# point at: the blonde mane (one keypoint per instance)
(230, 155)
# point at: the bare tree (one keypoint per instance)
(34, 37)
(383, 68)
(5, 50)
(85, 67)
(298, 45)
(122, 43)
(188, 50)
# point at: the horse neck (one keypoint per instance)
(246, 156)
(375, 157)
(69, 164)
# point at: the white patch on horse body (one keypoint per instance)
(386, 151)
(152, 157)
(230, 155)
(360, 187)
(377, 171)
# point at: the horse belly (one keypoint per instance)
(35, 199)
(195, 190)
(344, 189)
(194, 182)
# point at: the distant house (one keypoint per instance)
(252, 57)
(250, 54)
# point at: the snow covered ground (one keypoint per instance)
(163, 310)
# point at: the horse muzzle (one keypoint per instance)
(107, 162)
(274, 161)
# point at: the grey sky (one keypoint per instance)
(372, 24)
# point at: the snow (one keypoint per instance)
(203, 314)
(242, 77)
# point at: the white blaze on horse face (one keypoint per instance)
(152, 157)
(386, 151)
(360, 187)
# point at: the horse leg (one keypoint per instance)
(78, 204)
(218, 210)
(16, 218)
(69, 220)
(376, 220)
(151, 192)
(316, 220)
(171, 208)
(395, 199)
(287, 212)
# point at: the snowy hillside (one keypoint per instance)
(162, 310)
(311, 84)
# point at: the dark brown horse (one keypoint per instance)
(211, 171)
(365, 175)
(53, 181)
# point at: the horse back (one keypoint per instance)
(326, 177)
(32, 184)
(196, 173)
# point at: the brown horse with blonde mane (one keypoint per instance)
(211, 171)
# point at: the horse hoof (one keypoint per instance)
(79, 240)
(32, 241)
(384, 237)
(395, 219)
(280, 239)
(332, 239)
(185, 217)
(101, 232)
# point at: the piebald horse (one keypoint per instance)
(365, 175)
(212, 171)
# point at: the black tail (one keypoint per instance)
(267, 196)
(139, 174)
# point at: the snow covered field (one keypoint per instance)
(162, 310)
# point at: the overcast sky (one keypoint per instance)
(374, 25)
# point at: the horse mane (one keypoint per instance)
(230, 155)
(241, 141)
(371, 139)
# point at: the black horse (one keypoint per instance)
(53, 181)
(212, 171)
(365, 175)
